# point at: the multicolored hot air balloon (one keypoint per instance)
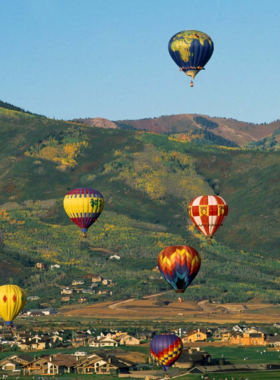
(207, 213)
(179, 265)
(12, 302)
(166, 349)
(191, 50)
(83, 206)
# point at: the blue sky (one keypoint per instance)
(109, 58)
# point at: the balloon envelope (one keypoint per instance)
(83, 206)
(207, 213)
(12, 302)
(166, 349)
(191, 50)
(179, 265)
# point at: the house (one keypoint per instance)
(36, 314)
(106, 282)
(33, 298)
(247, 339)
(198, 335)
(47, 311)
(102, 364)
(108, 292)
(67, 290)
(82, 299)
(123, 339)
(103, 342)
(40, 266)
(10, 365)
(88, 291)
(273, 340)
(77, 282)
(116, 257)
(96, 278)
(54, 266)
(51, 365)
(191, 357)
(65, 299)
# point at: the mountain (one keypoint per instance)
(236, 131)
(147, 181)
(97, 122)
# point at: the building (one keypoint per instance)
(106, 282)
(51, 365)
(191, 357)
(96, 278)
(103, 342)
(273, 340)
(47, 311)
(103, 364)
(198, 335)
(123, 339)
(116, 257)
(247, 339)
(67, 290)
(77, 282)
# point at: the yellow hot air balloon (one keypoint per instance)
(12, 302)
(83, 206)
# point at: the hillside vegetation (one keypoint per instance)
(147, 180)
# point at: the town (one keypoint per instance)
(100, 351)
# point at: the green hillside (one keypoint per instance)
(147, 181)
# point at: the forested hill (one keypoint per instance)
(147, 180)
(203, 129)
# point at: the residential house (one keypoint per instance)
(82, 299)
(33, 298)
(96, 278)
(198, 335)
(108, 292)
(40, 266)
(47, 311)
(191, 357)
(67, 290)
(123, 339)
(103, 342)
(88, 291)
(273, 340)
(51, 365)
(106, 281)
(116, 257)
(218, 333)
(15, 362)
(102, 364)
(65, 299)
(10, 365)
(247, 339)
(36, 314)
(77, 282)
(54, 266)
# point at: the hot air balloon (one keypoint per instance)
(83, 206)
(191, 50)
(207, 213)
(179, 265)
(166, 349)
(12, 302)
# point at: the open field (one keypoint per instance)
(203, 311)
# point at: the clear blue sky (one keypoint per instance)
(109, 58)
